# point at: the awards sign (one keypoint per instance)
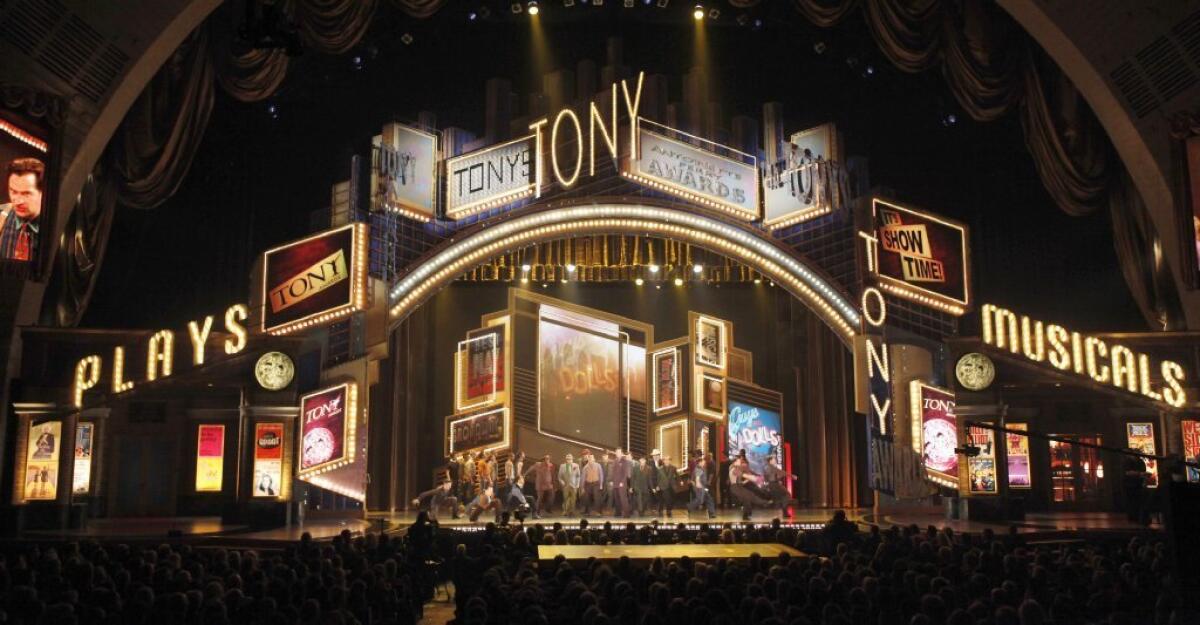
(41, 461)
(482, 430)
(404, 174)
(490, 177)
(81, 480)
(1017, 448)
(1191, 447)
(666, 379)
(921, 257)
(210, 457)
(756, 430)
(804, 185)
(697, 174)
(1141, 438)
(268, 460)
(981, 470)
(933, 409)
(326, 428)
(315, 280)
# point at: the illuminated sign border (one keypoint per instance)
(409, 210)
(1009, 455)
(349, 429)
(358, 282)
(818, 210)
(654, 359)
(259, 428)
(470, 208)
(698, 395)
(912, 292)
(452, 421)
(1153, 480)
(680, 423)
(460, 371)
(722, 348)
(916, 405)
(709, 201)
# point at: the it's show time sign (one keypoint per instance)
(920, 256)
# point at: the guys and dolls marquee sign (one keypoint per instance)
(756, 430)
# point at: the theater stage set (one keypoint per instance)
(593, 275)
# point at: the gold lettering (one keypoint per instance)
(632, 108)
(1144, 378)
(595, 118)
(1173, 392)
(159, 355)
(1124, 371)
(199, 338)
(323, 274)
(1033, 343)
(1096, 348)
(563, 181)
(233, 316)
(536, 127)
(87, 374)
(119, 383)
(1060, 358)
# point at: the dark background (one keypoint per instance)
(259, 174)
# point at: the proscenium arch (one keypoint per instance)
(751, 247)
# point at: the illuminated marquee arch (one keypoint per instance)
(738, 242)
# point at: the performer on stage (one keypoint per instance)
(664, 483)
(467, 488)
(643, 477)
(622, 470)
(543, 483)
(701, 495)
(513, 496)
(774, 477)
(607, 463)
(568, 481)
(433, 499)
(593, 484)
(743, 486)
(485, 500)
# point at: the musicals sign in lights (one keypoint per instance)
(920, 257)
(315, 280)
(327, 425)
(1071, 352)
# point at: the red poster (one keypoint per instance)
(485, 362)
(1191, 447)
(323, 430)
(268, 441)
(211, 441)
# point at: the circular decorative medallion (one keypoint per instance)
(274, 371)
(975, 371)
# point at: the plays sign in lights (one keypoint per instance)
(1071, 352)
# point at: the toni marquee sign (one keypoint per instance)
(315, 280)
(1106, 363)
(327, 426)
(159, 355)
(919, 256)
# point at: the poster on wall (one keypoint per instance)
(635, 372)
(404, 176)
(981, 469)
(41, 461)
(710, 343)
(314, 280)
(490, 177)
(1141, 438)
(81, 480)
(579, 382)
(756, 430)
(1191, 447)
(803, 184)
(482, 366)
(268, 460)
(712, 391)
(693, 172)
(939, 433)
(24, 162)
(325, 418)
(1017, 450)
(921, 255)
(210, 457)
(666, 379)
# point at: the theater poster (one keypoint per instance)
(1141, 437)
(1017, 450)
(315, 280)
(484, 371)
(712, 391)
(41, 461)
(710, 342)
(939, 434)
(756, 430)
(81, 480)
(324, 421)
(666, 379)
(210, 457)
(25, 194)
(268, 460)
(404, 175)
(921, 255)
(981, 469)
(580, 383)
(1191, 447)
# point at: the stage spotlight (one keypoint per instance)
(639, 282)
(653, 268)
(564, 280)
(678, 281)
(870, 69)
(658, 286)
(714, 13)
(697, 268)
(757, 281)
(406, 39)
(698, 12)
(570, 268)
(524, 280)
(525, 267)
(533, 7)
(819, 47)
(516, 7)
(545, 286)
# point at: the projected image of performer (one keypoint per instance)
(19, 218)
(743, 485)
(432, 500)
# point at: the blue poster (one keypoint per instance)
(758, 431)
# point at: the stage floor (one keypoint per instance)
(645, 553)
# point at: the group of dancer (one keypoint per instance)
(480, 482)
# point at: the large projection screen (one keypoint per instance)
(580, 378)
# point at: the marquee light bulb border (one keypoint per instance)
(350, 440)
(749, 248)
(358, 284)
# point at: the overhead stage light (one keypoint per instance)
(533, 7)
(570, 268)
(678, 281)
(525, 267)
(698, 12)
(516, 7)
(697, 268)
(653, 268)
(639, 282)
(714, 13)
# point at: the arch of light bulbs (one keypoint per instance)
(744, 246)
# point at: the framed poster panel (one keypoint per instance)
(1191, 447)
(1017, 450)
(710, 345)
(981, 469)
(327, 428)
(665, 365)
(85, 438)
(268, 460)
(405, 171)
(936, 432)
(1140, 436)
(921, 257)
(315, 280)
(41, 461)
(210, 457)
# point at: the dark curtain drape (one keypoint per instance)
(825, 382)
(992, 69)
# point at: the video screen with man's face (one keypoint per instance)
(24, 153)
